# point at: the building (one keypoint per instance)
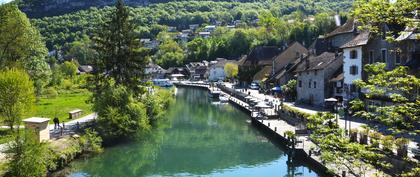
(197, 70)
(217, 69)
(258, 58)
(332, 41)
(210, 28)
(154, 71)
(85, 69)
(204, 34)
(180, 72)
(313, 76)
(286, 62)
(353, 63)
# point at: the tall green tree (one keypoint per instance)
(21, 45)
(16, 96)
(121, 58)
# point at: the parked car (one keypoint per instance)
(254, 86)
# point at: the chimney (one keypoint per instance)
(337, 20)
(336, 53)
(306, 62)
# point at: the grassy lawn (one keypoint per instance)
(61, 105)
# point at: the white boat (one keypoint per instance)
(223, 98)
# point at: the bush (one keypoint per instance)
(67, 84)
(387, 143)
(29, 158)
(120, 114)
(91, 142)
(51, 92)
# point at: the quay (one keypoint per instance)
(272, 124)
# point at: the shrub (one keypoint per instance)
(51, 92)
(67, 84)
(387, 143)
(91, 142)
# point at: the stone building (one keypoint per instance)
(313, 76)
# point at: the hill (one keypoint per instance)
(45, 8)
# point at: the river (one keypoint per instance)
(200, 138)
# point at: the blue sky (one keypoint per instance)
(4, 1)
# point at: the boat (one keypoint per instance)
(162, 82)
(223, 98)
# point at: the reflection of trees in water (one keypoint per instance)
(196, 138)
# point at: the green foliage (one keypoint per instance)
(28, 157)
(16, 96)
(82, 51)
(231, 70)
(120, 57)
(69, 68)
(120, 114)
(50, 92)
(405, 112)
(373, 13)
(170, 54)
(21, 46)
(289, 90)
(91, 142)
(67, 28)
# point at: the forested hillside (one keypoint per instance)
(58, 30)
(42, 8)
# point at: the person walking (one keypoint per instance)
(56, 122)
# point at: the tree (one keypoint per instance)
(120, 114)
(198, 50)
(121, 58)
(402, 89)
(69, 68)
(16, 96)
(231, 70)
(82, 51)
(21, 45)
(29, 157)
(373, 13)
(289, 90)
(170, 54)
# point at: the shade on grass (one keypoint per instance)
(61, 105)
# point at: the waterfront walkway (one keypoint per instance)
(278, 126)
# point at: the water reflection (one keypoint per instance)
(197, 139)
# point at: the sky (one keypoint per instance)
(4, 1)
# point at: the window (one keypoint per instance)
(353, 70)
(314, 84)
(383, 55)
(397, 57)
(310, 83)
(353, 54)
(383, 33)
(300, 83)
(315, 72)
(371, 56)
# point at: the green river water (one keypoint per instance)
(200, 138)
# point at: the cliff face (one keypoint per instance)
(42, 8)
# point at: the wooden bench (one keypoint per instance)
(75, 113)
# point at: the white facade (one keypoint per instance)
(349, 62)
(352, 69)
(217, 73)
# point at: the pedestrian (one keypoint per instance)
(56, 122)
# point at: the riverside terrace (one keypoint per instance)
(269, 121)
